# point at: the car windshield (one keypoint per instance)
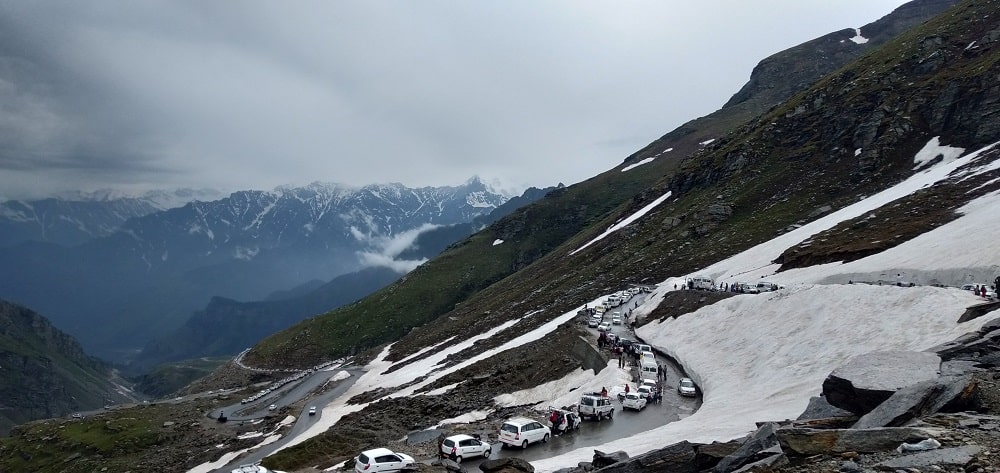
(687, 383)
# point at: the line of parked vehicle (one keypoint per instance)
(521, 431)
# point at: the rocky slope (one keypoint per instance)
(45, 373)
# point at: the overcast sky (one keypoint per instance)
(252, 95)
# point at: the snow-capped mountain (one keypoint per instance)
(147, 276)
(74, 218)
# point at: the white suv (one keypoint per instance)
(596, 406)
(462, 446)
(521, 431)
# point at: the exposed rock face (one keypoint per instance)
(45, 371)
(934, 458)
(678, 458)
(819, 408)
(918, 400)
(867, 380)
(816, 441)
(761, 444)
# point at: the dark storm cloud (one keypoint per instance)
(255, 94)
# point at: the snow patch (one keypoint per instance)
(857, 38)
(707, 142)
(631, 218)
(497, 242)
(934, 149)
(635, 165)
(468, 417)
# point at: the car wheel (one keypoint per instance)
(524, 444)
(487, 453)
(545, 438)
(600, 415)
(611, 414)
(458, 459)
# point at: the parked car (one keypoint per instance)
(461, 446)
(686, 387)
(641, 347)
(77, 415)
(594, 321)
(645, 392)
(747, 288)
(312, 410)
(635, 401)
(562, 421)
(611, 337)
(522, 432)
(272, 407)
(764, 286)
(596, 406)
(604, 327)
(616, 319)
(382, 460)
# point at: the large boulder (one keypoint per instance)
(819, 408)
(866, 381)
(955, 456)
(709, 455)
(802, 441)
(602, 459)
(762, 443)
(506, 465)
(920, 399)
(676, 458)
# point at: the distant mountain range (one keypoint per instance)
(140, 273)
(75, 218)
(225, 326)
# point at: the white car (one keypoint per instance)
(521, 431)
(645, 392)
(634, 401)
(616, 319)
(382, 460)
(686, 387)
(458, 447)
(604, 327)
(594, 321)
(312, 410)
(272, 407)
